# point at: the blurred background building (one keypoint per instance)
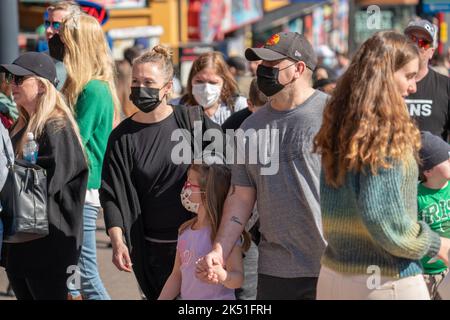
(191, 27)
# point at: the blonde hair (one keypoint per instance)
(366, 122)
(215, 181)
(70, 6)
(161, 56)
(51, 107)
(87, 57)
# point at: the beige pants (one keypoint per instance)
(337, 286)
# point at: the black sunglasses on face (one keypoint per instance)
(18, 80)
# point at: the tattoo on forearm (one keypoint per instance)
(236, 219)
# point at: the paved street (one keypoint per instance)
(120, 285)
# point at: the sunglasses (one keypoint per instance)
(18, 80)
(55, 24)
(421, 42)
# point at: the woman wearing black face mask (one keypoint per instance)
(141, 184)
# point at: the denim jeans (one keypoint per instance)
(91, 285)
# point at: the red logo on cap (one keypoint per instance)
(273, 40)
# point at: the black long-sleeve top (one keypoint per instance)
(123, 195)
(61, 155)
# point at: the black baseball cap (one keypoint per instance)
(237, 62)
(433, 152)
(292, 45)
(425, 26)
(33, 64)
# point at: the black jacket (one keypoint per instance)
(118, 195)
(61, 155)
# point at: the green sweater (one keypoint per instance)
(371, 220)
(94, 112)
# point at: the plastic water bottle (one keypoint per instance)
(30, 149)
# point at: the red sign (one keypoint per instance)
(96, 10)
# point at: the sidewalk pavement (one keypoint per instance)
(120, 285)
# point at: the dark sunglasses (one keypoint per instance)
(421, 42)
(18, 80)
(55, 24)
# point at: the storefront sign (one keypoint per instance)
(96, 10)
(209, 20)
(433, 6)
(122, 4)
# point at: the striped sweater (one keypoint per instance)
(371, 220)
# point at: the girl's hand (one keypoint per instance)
(220, 273)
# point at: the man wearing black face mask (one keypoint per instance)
(288, 200)
(53, 21)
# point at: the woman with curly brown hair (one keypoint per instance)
(369, 148)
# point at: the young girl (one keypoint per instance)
(204, 194)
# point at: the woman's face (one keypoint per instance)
(405, 78)
(207, 75)
(150, 75)
(26, 91)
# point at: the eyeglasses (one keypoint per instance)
(187, 184)
(18, 80)
(55, 24)
(421, 42)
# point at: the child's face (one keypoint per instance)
(193, 179)
(442, 170)
(252, 107)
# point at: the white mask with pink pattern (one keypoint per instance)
(186, 193)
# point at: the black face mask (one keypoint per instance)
(145, 99)
(56, 48)
(267, 80)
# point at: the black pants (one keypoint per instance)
(248, 289)
(42, 287)
(274, 288)
(160, 258)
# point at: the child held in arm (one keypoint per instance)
(433, 202)
(204, 193)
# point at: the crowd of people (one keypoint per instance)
(360, 147)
